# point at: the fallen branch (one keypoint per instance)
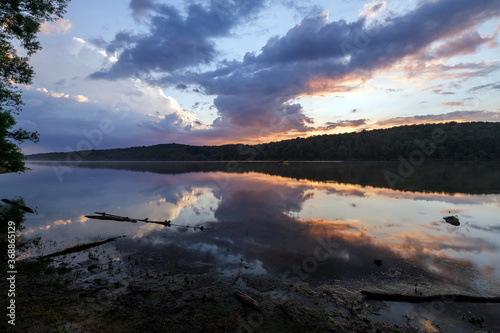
(80, 247)
(425, 299)
(120, 219)
(111, 217)
(239, 270)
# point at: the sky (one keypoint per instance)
(116, 74)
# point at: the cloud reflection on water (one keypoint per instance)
(278, 222)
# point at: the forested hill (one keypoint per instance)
(477, 140)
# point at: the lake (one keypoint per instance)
(318, 223)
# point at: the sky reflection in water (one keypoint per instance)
(280, 224)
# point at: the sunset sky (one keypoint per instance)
(142, 72)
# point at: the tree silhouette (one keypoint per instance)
(20, 20)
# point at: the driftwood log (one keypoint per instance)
(247, 299)
(426, 299)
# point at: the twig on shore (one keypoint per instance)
(247, 299)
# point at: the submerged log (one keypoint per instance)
(80, 247)
(427, 299)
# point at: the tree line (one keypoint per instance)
(473, 140)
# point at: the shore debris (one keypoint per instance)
(80, 247)
(239, 270)
(247, 299)
(453, 220)
(22, 207)
(427, 299)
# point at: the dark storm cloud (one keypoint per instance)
(173, 42)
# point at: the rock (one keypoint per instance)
(378, 262)
(453, 220)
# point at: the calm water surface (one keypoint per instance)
(317, 222)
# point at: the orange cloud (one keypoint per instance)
(455, 104)
(61, 26)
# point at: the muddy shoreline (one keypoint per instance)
(63, 299)
(95, 296)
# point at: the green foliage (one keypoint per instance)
(478, 140)
(20, 21)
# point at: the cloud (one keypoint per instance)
(173, 42)
(455, 104)
(317, 57)
(441, 92)
(76, 98)
(58, 27)
(492, 86)
(173, 124)
(467, 43)
(372, 9)
(140, 8)
(257, 95)
(345, 123)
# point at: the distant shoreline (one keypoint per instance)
(450, 141)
